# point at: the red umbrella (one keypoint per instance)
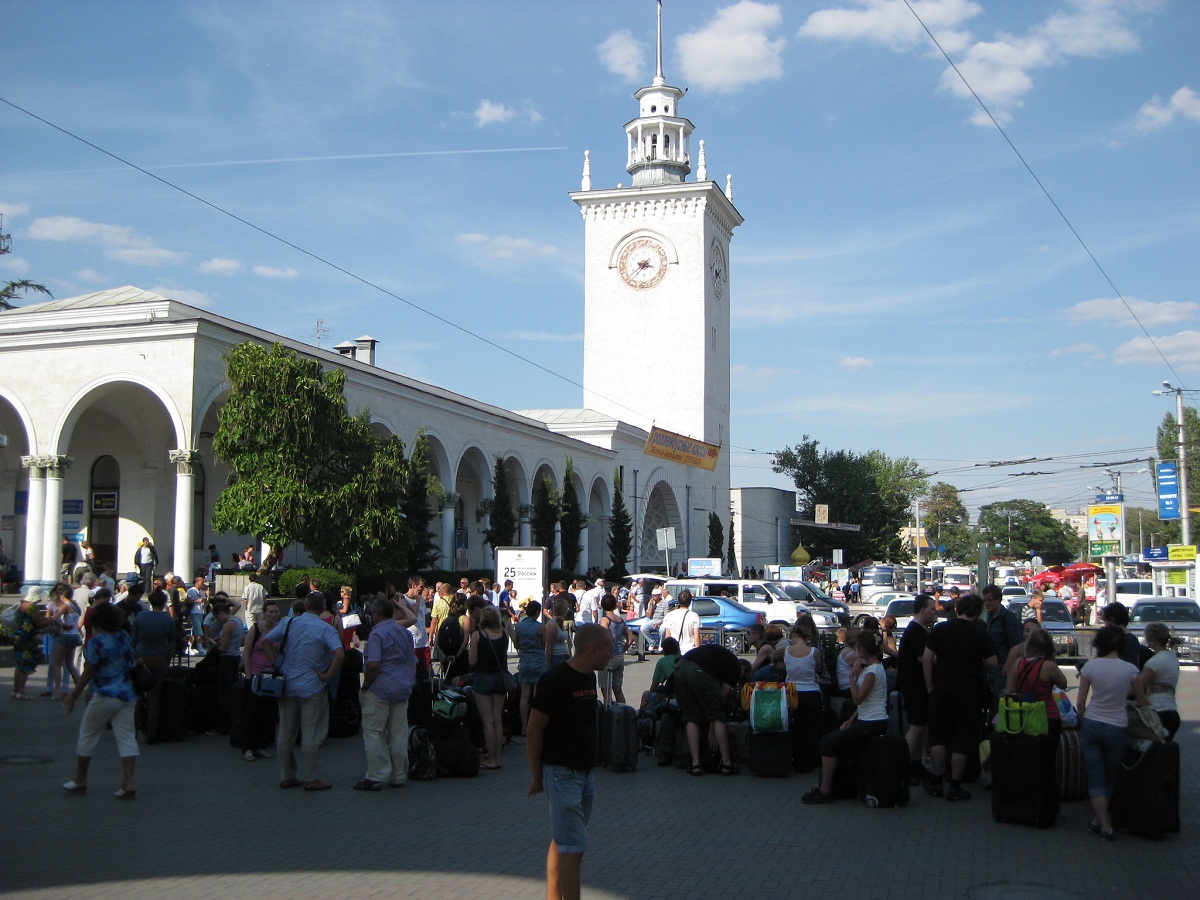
(1080, 569)
(1047, 576)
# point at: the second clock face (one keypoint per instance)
(717, 269)
(643, 263)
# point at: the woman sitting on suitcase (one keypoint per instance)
(1037, 675)
(1104, 683)
(868, 691)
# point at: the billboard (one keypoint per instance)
(1105, 529)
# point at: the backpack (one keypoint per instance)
(422, 759)
(450, 636)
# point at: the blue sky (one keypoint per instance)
(900, 282)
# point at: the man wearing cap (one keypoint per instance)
(589, 604)
(656, 609)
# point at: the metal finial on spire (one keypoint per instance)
(729, 188)
(658, 72)
(587, 171)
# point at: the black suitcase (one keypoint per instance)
(771, 753)
(420, 702)
(1024, 779)
(897, 717)
(883, 772)
(203, 706)
(456, 759)
(444, 729)
(619, 737)
(237, 712)
(173, 710)
(1145, 800)
(664, 738)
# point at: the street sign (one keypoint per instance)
(1181, 552)
(666, 538)
(1155, 554)
(838, 557)
(1110, 497)
(1167, 476)
(704, 566)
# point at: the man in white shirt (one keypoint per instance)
(414, 599)
(589, 604)
(682, 624)
(255, 596)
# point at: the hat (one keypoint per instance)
(35, 594)
(657, 592)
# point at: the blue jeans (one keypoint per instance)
(1102, 745)
(570, 792)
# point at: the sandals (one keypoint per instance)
(367, 785)
(695, 770)
(72, 788)
(486, 766)
(122, 794)
(726, 771)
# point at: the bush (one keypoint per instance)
(329, 579)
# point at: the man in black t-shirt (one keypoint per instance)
(560, 744)
(956, 657)
(910, 678)
(703, 679)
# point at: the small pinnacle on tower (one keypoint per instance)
(729, 188)
(587, 171)
(702, 166)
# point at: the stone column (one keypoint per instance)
(556, 550)
(52, 530)
(185, 476)
(489, 557)
(35, 517)
(584, 560)
(448, 504)
(526, 533)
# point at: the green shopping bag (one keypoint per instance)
(1018, 717)
(768, 710)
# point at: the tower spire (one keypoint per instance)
(658, 72)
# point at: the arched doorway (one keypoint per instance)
(662, 511)
(105, 493)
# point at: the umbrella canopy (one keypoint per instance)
(1083, 568)
(1046, 577)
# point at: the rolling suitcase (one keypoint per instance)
(173, 707)
(237, 713)
(1145, 800)
(883, 772)
(739, 741)
(770, 754)
(897, 718)
(1070, 772)
(619, 737)
(455, 759)
(664, 738)
(1024, 780)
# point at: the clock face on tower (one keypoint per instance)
(642, 263)
(717, 270)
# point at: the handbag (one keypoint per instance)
(272, 682)
(507, 679)
(768, 710)
(788, 688)
(1144, 723)
(141, 676)
(1066, 711)
(1018, 717)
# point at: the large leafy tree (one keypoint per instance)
(1143, 528)
(1167, 441)
(502, 527)
(620, 533)
(544, 514)
(571, 519)
(1033, 528)
(947, 523)
(419, 487)
(870, 490)
(15, 290)
(302, 470)
(716, 537)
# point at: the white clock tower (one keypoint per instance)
(656, 308)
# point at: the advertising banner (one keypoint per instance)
(1167, 478)
(678, 448)
(1106, 529)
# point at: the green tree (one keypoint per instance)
(946, 522)
(731, 564)
(1143, 528)
(302, 470)
(571, 521)
(15, 290)
(716, 537)
(620, 534)
(502, 521)
(419, 487)
(1167, 441)
(1032, 529)
(872, 491)
(544, 515)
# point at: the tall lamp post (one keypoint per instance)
(1185, 512)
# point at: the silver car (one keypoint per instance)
(1179, 614)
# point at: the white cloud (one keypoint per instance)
(489, 113)
(219, 266)
(183, 295)
(734, 49)
(1077, 349)
(1155, 114)
(743, 372)
(91, 276)
(500, 247)
(120, 242)
(13, 209)
(1148, 312)
(624, 55)
(1182, 349)
(855, 363)
(273, 272)
(14, 264)
(543, 336)
(1000, 69)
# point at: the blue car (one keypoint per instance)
(728, 617)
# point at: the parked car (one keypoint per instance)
(813, 599)
(765, 597)
(1013, 590)
(876, 608)
(1179, 614)
(1056, 619)
(727, 617)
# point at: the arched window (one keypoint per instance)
(654, 146)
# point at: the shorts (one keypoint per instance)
(956, 718)
(614, 673)
(531, 668)
(485, 683)
(916, 707)
(570, 792)
(698, 694)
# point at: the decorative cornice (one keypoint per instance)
(47, 462)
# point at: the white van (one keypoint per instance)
(764, 597)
